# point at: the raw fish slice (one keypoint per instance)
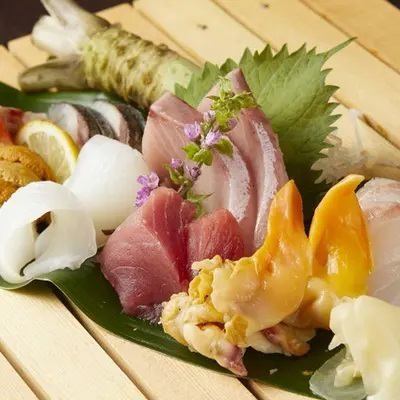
(68, 241)
(259, 147)
(227, 179)
(105, 180)
(145, 259)
(75, 120)
(126, 121)
(380, 202)
(214, 234)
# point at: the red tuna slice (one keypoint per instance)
(228, 179)
(215, 234)
(145, 259)
(259, 147)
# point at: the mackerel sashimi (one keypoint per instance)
(227, 179)
(259, 147)
(148, 258)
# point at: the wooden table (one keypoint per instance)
(49, 349)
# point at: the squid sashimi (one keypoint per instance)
(69, 239)
(228, 179)
(145, 259)
(214, 234)
(105, 181)
(259, 147)
(380, 201)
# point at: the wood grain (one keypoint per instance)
(9, 68)
(186, 34)
(375, 24)
(13, 387)
(54, 353)
(123, 14)
(366, 83)
(164, 378)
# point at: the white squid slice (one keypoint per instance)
(66, 243)
(105, 181)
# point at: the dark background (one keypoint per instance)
(18, 16)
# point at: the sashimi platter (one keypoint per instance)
(210, 213)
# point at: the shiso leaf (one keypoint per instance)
(291, 90)
(322, 382)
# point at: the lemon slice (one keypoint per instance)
(53, 144)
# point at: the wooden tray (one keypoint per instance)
(50, 350)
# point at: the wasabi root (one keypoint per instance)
(88, 52)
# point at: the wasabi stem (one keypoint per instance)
(89, 53)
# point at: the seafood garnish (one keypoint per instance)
(105, 181)
(68, 240)
(77, 39)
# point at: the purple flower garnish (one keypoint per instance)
(193, 172)
(232, 123)
(192, 131)
(209, 116)
(149, 183)
(176, 163)
(212, 138)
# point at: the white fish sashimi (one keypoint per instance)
(66, 243)
(380, 202)
(105, 181)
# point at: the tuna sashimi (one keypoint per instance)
(228, 179)
(380, 202)
(215, 234)
(145, 259)
(259, 147)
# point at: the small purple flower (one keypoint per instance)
(232, 123)
(142, 195)
(149, 183)
(176, 163)
(209, 116)
(193, 172)
(192, 131)
(212, 138)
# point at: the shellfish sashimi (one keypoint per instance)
(229, 302)
(145, 259)
(380, 202)
(214, 234)
(66, 243)
(105, 181)
(259, 147)
(227, 179)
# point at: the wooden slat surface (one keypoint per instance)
(186, 32)
(53, 352)
(161, 377)
(375, 23)
(363, 79)
(12, 386)
(150, 371)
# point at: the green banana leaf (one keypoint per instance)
(92, 294)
